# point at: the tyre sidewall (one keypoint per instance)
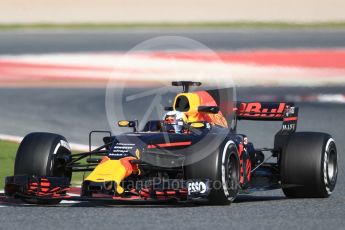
(229, 188)
(37, 153)
(329, 183)
(214, 168)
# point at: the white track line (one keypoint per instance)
(2, 192)
(69, 202)
(18, 139)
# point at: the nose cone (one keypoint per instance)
(112, 171)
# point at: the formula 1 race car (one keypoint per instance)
(193, 155)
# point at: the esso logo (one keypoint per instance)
(196, 187)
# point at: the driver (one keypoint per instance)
(174, 121)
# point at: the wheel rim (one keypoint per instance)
(59, 167)
(232, 173)
(331, 164)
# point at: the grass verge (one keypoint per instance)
(201, 25)
(8, 152)
(7, 156)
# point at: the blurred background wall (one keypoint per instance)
(150, 11)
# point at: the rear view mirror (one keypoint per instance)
(208, 109)
(197, 125)
(125, 123)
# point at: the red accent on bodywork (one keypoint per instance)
(214, 119)
(173, 144)
(43, 188)
(183, 191)
(240, 152)
(170, 193)
(206, 99)
(249, 169)
(104, 159)
(130, 168)
(45, 184)
(248, 164)
(144, 194)
(126, 198)
(290, 119)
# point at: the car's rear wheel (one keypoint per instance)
(222, 167)
(40, 154)
(309, 165)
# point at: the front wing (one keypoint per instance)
(148, 192)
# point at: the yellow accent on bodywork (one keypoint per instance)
(110, 170)
(194, 103)
(193, 99)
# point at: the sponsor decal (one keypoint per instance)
(256, 109)
(197, 187)
(122, 150)
(289, 127)
(289, 110)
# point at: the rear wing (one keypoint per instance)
(269, 111)
(260, 111)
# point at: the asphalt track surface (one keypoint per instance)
(105, 41)
(74, 112)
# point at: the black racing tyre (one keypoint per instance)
(222, 167)
(309, 165)
(40, 154)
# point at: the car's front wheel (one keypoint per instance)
(222, 167)
(40, 154)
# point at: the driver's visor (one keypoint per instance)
(170, 120)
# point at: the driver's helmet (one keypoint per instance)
(174, 121)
